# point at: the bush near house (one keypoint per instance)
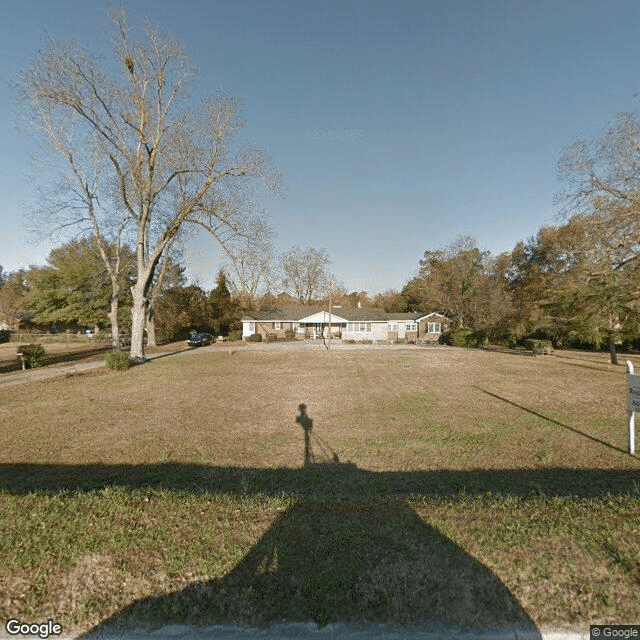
(256, 337)
(460, 337)
(32, 353)
(5, 335)
(234, 336)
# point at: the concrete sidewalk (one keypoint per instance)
(309, 631)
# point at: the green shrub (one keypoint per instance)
(234, 336)
(539, 346)
(118, 360)
(5, 335)
(460, 337)
(290, 334)
(272, 337)
(256, 337)
(33, 354)
(509, 342)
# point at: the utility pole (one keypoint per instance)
(330, 294)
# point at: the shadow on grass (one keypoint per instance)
(319, 481)
(563, 355)
(350, 550)
(174, 352)
(351, 562)
(604, 366)
(552, 421)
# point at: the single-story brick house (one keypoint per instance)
(348, 324)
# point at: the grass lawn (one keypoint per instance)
(443, 486)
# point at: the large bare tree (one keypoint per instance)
(250, 257)
(171, 164)
(603, 178)
(305, 273)
(76, 200)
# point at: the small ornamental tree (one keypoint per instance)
(32, 354)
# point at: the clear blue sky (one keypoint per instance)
(397, 124)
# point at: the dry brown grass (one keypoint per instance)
(383, 410)
(484, 489)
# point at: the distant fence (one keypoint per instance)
(24, 337)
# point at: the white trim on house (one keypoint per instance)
(322, 318)
(359, 327)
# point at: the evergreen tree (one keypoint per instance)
(74, 287)
(225, 313)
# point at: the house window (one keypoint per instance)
(277, 326)
(252, 328)
(394, 326)
(295, 326)
(358, 327)
(434, 327)
(412, 326)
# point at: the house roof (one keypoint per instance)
(296, 314)
(280, 314)
(17, 314)
(422, 316)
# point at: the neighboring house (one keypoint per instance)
(348, 324)
(13, 319)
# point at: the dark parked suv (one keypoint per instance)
(200, 339)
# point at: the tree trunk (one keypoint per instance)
(138, 318)
(151, 326)
(612, 350)
(113, 316)
(139, 311)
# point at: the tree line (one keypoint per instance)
(577, 283)
(74, 289)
